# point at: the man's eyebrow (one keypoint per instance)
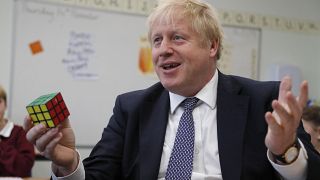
(154, 35)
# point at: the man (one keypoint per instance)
(237, 129)
(311, 123)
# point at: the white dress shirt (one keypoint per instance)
(206, 164)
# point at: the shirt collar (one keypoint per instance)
(208, 94)
(6, 130)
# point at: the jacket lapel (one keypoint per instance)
(232, 108)
(153, 124)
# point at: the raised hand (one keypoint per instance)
(286, 116)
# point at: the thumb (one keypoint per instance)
(27, 124)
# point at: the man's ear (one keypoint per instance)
(214, 48)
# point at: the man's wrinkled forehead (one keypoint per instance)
(176, 24)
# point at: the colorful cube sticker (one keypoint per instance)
(48, 109)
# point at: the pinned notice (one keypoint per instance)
(36, 47)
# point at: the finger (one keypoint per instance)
(272, 123)
(282, 112)
(45, 139)
(27, 123)
(34, 133)
(303, 96)
(285, 86)
(51, 146)
(65, 123)
(296, 110)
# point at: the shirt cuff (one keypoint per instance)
(297, 170)
(78, 174)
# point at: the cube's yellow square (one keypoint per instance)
(50, 123)
(34, 117)
(47, 115)
(40, 117)
(37, 109)
(30, 110)
(43, 107)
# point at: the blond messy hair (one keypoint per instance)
(203, 19)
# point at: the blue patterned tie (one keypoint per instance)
(181, 159)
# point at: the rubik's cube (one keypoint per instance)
(48, 109)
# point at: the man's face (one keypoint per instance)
(183, 64)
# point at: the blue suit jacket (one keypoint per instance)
(131, 144)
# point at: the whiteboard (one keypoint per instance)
(90, 56)
(241, 51)
(104, 48)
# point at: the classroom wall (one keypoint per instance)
(280, 47)
(6, 20)
(277, 47)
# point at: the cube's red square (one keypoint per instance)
(66, 112)
(49, 105)
(59, 97)
(58, 109)
(54, 101)
(61, 117)
(56, 121)
(52, 113)
(62, 105)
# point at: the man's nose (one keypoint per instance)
(166, 48)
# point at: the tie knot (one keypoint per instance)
(190, 103)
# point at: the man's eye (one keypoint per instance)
(156, 40)
(177, 37)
